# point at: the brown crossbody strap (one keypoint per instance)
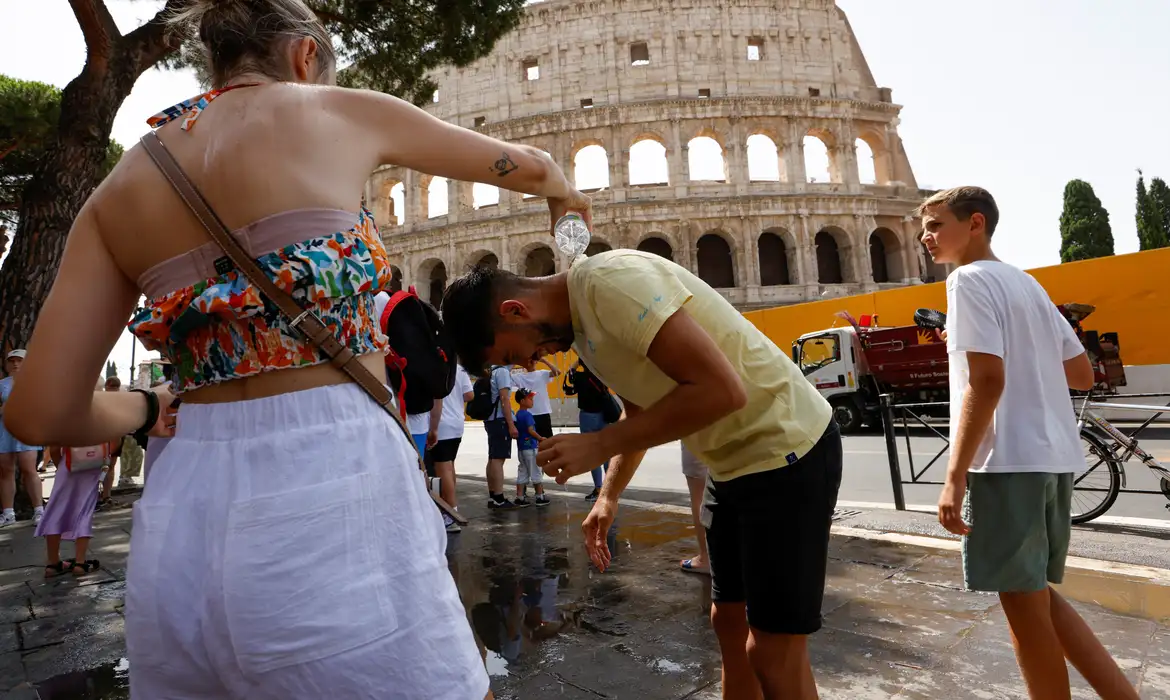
(304, 321)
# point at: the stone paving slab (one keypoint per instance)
(897, 624)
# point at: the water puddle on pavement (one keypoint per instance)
(108, 682)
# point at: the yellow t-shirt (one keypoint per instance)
(619, 301)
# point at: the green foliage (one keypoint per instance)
(390, 45)
(1153, 226)
(1160, 197)
(29, 114)
(1084, 224)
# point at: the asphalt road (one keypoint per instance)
(866, 480)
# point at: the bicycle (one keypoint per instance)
(1111, 449)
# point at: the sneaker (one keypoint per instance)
(502, 503)
(593, 495)
(450, 524)
(522, 502)
(7, 519)
(38, 515)
(542, 501)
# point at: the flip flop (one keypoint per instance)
(686, 566)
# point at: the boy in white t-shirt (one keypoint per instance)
(1014, 444)
(536, 381)
(443, 438)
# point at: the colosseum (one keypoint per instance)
(744, 139)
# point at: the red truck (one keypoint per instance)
(853, 365)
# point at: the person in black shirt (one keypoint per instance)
(591, 397)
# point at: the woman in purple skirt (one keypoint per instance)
(69, 516)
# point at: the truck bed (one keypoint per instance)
(905, 357)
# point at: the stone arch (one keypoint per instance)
(819, 164)
(437, 200)
(648, 163)
(702, 152)
(776, 251)
(597, 246)
(590, 166)
(866, 169)
(484, 195)
(432, 277)
(716, 260)
(832, 250)
(395, 279)
(484, 258)
(397, 197)
(882, 167)
(539, 261)
(657, 245)
(387, 211)
(763, 158)
(885, 256)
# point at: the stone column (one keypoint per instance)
(864, 266)
(459, 201)
(737, 164)
(911, 250)
(808, 252)
(794, 156)
(414, 199)
(407, 271)
(676, 157)
(505, 254)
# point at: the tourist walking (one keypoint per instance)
(444, 437)
(1014, 444)
(286, 546)
(69, 516)
(687, 366)
(15, 454)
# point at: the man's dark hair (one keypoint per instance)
(963, 202)
(469, 313)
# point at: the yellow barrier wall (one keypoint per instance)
(1131, 293)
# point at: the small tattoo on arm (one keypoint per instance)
(503, 165)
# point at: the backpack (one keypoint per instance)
(482, 405)
(421, 362)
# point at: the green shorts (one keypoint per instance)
(1020, 529)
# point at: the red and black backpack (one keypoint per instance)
(421, 363)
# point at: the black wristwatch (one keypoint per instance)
(152, 411)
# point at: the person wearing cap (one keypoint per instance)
(14, 453)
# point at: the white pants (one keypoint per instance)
(286, 548)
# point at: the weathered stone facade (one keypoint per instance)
(614, 73)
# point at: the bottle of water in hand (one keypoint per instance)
(572, 237)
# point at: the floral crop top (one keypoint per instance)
(213, 325)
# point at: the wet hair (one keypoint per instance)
(470, 313)
(240, 36)
(963, 202)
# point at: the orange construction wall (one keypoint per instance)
(1131, 293)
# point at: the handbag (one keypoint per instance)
(303, 321)
(611, 410)
(84, 459)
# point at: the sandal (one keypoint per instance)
(87, 567)
(59, 569)
(687, 566)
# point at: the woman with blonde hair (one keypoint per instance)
(286, 546)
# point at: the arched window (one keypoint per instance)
(484, 195)
(437, 197)
(763, 159)
(828, 259)
(395, 279)
(705, 159)
(591, 168)
(773, 260)
(866, 167)
(877, 259)
(490, 261)
(715, 264)
(433, 273)
(540, 262)
(657, 246)
(648, 164)
(596, 247)
(817, 167)
(885, 256)
(398, 202)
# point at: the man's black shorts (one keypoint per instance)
(499, 441)
(543, 425)
(768, 538)
(444, 450)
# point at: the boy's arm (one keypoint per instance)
(533, 434)
(553, 371)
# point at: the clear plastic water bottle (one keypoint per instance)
(572, 236)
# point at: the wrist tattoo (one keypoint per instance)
(503, 165)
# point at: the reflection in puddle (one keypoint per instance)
(108, 682)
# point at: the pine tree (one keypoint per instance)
(1084, 224)
(1160, 198)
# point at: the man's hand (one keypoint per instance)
(432, 438)
(596, 531)
(950, 507)
(569, 454)
(512, 431)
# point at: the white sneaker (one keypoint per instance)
(7, 519)
(450, 523)
(38, 515)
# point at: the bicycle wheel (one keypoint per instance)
(1096, 488)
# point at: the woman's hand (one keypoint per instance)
(574, 201)
(165, 425)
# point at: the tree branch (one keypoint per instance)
(9, 149)
(98, 28)
(153, 41)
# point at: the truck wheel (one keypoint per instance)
(848, 415)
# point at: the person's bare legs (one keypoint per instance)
(495, 476)
(696, 487)
(446, 474)
(80, 549)
(108, 479)
(27, 462)
(731, 628)
(1086, 653)
(1038, 648)
(7, 480)
(781, 665)
(52, 549)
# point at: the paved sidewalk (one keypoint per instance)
(897, 624)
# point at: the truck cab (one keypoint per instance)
(833, 362)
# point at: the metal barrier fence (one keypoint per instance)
(916, 414)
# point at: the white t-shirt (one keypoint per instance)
(535, 381)
(452, 421)
(418, 423)
(997, 309)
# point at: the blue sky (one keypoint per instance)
(1018, 96)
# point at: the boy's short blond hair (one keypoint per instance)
(963, 202)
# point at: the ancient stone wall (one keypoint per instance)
(655, 91)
